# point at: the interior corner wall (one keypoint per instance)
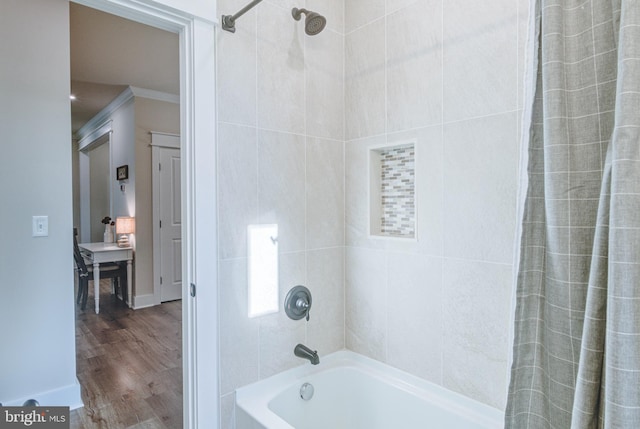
(36, 273)
(446, 75)
(150, 115)
(123, 153)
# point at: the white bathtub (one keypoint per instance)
(355, 392)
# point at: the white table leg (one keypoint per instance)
(129, 297)
(96, 286)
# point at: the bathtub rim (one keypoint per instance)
(253, 399)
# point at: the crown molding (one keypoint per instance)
(88, 130)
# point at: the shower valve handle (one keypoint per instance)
(297, 304)
(303, 306)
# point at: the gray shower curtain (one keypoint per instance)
(576, 357)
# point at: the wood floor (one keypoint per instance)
(129, 364)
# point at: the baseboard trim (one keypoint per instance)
(67, 396)
(143, 301)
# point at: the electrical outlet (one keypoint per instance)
(40, 226)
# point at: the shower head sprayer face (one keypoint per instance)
(313, 23)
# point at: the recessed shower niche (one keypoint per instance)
(392, 191)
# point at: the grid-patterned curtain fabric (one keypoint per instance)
(577, 335)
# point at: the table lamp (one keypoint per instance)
(125, 225)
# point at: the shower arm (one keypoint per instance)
(229, 21)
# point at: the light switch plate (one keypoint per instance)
(40, 226)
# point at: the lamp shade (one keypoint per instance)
(125, 225)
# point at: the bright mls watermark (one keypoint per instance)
(34, 417)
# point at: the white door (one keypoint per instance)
(170, 224)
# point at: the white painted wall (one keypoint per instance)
(150, 115)
(36, 274)
(123, 153)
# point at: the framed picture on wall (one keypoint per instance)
(122, 172)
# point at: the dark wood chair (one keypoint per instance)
(111, 270)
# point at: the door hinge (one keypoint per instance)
(159, 167)
(160, 224)
(160, 279)
(193, 290)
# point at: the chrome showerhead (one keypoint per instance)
(313, 23)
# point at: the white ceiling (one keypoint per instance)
(109, 53)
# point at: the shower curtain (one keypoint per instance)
(576, 360)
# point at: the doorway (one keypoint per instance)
(128, 362)
(197, 76)
(99, 192)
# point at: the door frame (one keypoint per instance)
(201, 405)
(98, 137)
(159, 141)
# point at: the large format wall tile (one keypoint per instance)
(333, 10)
(395, 5)
(237, 188)
(227, 411)
(523, 55)
(281, 187)
(237, 63)
(414, 334)
(366, 302)
(239, 339)
(365, 79)
(324, 83)
(414, 66)
(481, 170)
(480, 64)
(279, 334)
(280, 70)
(325, 193)
(286, 5)
(361, 12)
(325, 280)
(475, 330)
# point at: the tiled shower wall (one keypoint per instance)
(447, 75)
(296, 116)
(280, 160)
